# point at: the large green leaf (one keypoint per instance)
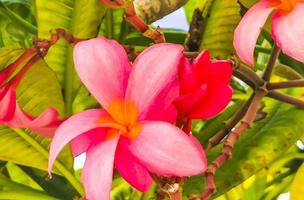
(38, 90)
(220, 22)
(79, 17)
(297, 190)
(266, 141)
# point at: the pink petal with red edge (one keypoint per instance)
(73, 127)
(186, 102)
(7, 103)
(160, 146)
(81, 143)
(45, 124)
(97, 172)
(188, 82)
(288, 32)
(154, 69)
(129, 168)
(167, 115)
(248, 31)
(160, 109)
(103, 67)
(216, 100)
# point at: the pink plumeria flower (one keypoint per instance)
(204, 87)
(128, 133)
(13, 116)
(287, 28)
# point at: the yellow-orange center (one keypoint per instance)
(123, 119)
(285, 6)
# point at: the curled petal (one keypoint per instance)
(73, 127)
(160, 146)
(7, 104)
(247, 32)
(155, 69)
(104, 68)
(97, 172)
(188, 81)
(212, 72)
(131, 170)
(215, 100)
(288, 32)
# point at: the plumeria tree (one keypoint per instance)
(212, 113)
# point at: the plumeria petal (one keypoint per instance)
(129, 168)
(247, 32)
(187, 77)
(81, 143)
(103, 67)
(7, 103)
(215, 100)
(97, 172)
(187, 102)
(167, 115)
(73, 127)
(288, 32)
(211, 72)
(154, 69)
(160, 146)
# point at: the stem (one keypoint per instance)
(68, 84)
(274, 55)
(232, 122)
(247, 72)
(231, 141)
(12, 67)
(288, 84)
(286, 98)
(176, 196)
(61, 168)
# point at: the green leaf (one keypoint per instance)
(297, 189)
(17, 191)
(220, 22)
(248, 3)
(38, 90)
(266, 141)
(82, 19)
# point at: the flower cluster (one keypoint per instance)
(134, 132)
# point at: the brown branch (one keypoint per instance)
(274, 55)
(231, 141)
(229, 125)
(286, 98)
(287, 84)
(247, 72)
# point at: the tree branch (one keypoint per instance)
(287, 84)
(229, 125)
(231, 141)
(286, 98)
(274, 55)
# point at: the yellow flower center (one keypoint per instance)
(285, 6)
(123, 119)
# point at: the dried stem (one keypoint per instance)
(287, 84)
(195, 32)
(274, 55)
(286, 98)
